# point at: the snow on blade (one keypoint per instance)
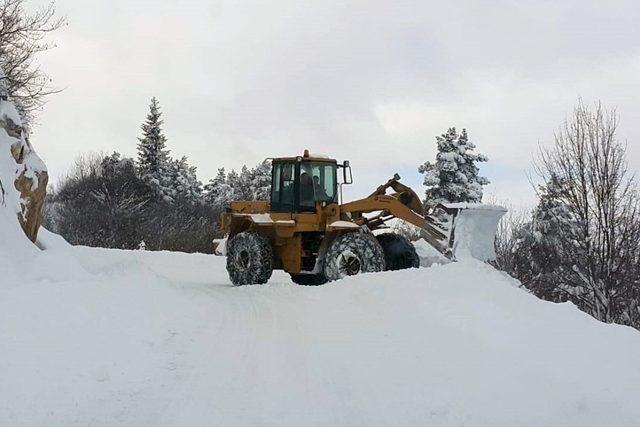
(475, 231)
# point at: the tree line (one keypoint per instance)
(154, 201)
(581, 241)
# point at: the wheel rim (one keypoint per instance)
(243, 260)
(349, 264)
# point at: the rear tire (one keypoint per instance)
(309, 279)
(399, 252)
(351, 254)
(249, 259)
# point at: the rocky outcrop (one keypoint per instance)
(32, 185)
(23, 178)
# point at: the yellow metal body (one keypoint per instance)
(286, 230)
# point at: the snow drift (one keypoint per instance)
(109, 337)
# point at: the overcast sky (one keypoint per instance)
(369, 81)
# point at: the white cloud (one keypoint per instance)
(370, 81)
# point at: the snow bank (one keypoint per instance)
(161, 338)
(51, 241)
(15, 249)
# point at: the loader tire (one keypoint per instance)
(399, 252)
(309, 279)
(249, 259)
(351, 254)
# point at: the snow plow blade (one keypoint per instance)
(471, 229)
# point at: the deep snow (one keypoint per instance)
(110, 337)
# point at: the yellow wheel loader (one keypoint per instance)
(306, 231)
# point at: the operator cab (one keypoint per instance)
(299, 183)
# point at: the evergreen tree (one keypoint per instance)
(454, 175)
(153, 156)
(218, 192)
(233, 180)
(184, 183)
(261, 181)
(546, 247)
(244, 191)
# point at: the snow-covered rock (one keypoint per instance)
(23, 175)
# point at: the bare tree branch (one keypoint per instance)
(23, 36)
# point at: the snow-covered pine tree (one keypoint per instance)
(154, 164)
(233, 180)
(260, 185)
(546, 247)
(218, 191)
(184, 183)
(250, 184)
(454, 175)
(244, 190)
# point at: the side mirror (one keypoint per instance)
(347, 178)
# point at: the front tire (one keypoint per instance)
(351, 254)
(249, 259)
(399, 252)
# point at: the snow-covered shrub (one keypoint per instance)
(104, 207)
(105, 203)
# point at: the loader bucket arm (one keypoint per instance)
(391, 206)
(405, 194)
(478, 223)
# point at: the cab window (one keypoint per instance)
(317, 184)
(282, 187)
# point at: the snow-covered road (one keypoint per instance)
(108, 337)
